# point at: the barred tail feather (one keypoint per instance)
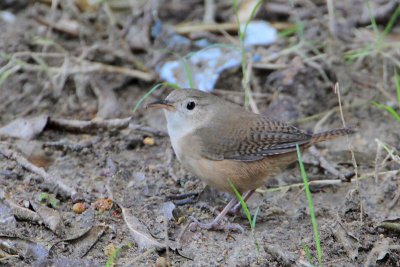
(331, 134)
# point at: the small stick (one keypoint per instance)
(85, 66)
(325, 182)
(353, 157)
(87, 126)
(64, 143)
(147, 129)
(216, 27)
(325, 164)
(74, 32)
(95, 125)
(10, 154)
(209, 11)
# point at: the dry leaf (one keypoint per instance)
(25, 128)
(140, 235)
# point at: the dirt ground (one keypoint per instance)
(85, 181)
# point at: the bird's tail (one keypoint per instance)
(331, 134)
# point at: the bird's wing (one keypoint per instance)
(254, 138)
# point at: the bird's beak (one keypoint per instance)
(161, 104)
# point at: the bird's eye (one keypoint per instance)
(190, 105)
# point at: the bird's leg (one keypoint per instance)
(216, 223)
(237, 207)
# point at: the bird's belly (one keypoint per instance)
(244, 175)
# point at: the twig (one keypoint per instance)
(394, 157)
(209, 11)
(147, 129)
(395, 199)
(331, 16)
(81, 126)
(325, 164)
(216, 27)
(87, 126)
(325, 182)
(252, 102)
(60, 27)
(353, 158)
(110, 170)
(10, 154)
(241, 93)
(77, 65)
(64, 143)
(5, 258)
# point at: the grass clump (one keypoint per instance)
(378, 45)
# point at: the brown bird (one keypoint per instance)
(217, 140)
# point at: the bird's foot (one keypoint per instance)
(235, 210)
(215, 226)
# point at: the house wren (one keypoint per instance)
(217, 140)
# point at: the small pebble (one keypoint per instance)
(162, 262)
(181, 220)
(79, 207)
(149, 141)
(193, 227)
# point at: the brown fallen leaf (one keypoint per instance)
(138, 231)
(51, 218)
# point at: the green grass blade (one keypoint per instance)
(175, 86)
(391, 110)
(391, 22)
(253, 222)
(307, 251)
(242, 202)
(188, 72)
(252, 14)
(310, 206)
(236, 11)
(397, 85)
(7, 73)
(289, 31)
(372, 18)
(112, 258)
